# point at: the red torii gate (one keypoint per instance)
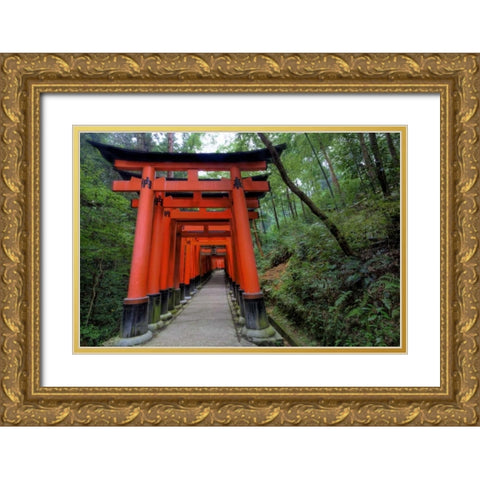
(216, 255)
(154, 269)
(172, 292)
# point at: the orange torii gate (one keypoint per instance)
(172, 291)
(153, 267)
(193, 270)
(216, 256)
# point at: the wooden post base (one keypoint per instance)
(176, 297)
(164, 312)
(135, 318)
(154, 308)
(257, 328)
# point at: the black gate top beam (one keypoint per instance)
(112, 153)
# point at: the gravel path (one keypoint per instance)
(205, 321)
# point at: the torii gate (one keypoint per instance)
(157, 217)
(173, 291)
(215, 254)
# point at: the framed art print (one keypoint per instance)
(64, 114)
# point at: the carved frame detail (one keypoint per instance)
(24, 77)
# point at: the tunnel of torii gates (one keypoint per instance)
(185, 229)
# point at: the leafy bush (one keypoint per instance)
(107, 225)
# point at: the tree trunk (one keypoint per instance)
(274, 210)
(261, 218)
(333, 229)
(330, 167)
(257, 238)
(315, 154)
(368, 162)
(141, 141)
(379, 164)
(290, 206)
(144, 141)
(357, 164)
(96, 281)
(393, 150)
(295, 208)
(283, 209)
(303, 209)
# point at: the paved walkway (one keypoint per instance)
(205, 321)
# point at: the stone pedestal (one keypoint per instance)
(164, 313)
(154, 308)
(257, 328)
(132, 341)
(176, 297)
(135, 318)
(171, 304)
(188, 295)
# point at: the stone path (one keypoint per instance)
(205, 321)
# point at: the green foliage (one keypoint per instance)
(107, 224)
(338, 300)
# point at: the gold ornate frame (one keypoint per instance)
(25, 77)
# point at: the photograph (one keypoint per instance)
(284, 238)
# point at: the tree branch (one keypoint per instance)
(332, 228)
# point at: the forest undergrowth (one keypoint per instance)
(332, 299)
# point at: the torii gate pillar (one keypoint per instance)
(135, 320)
(257, 327)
